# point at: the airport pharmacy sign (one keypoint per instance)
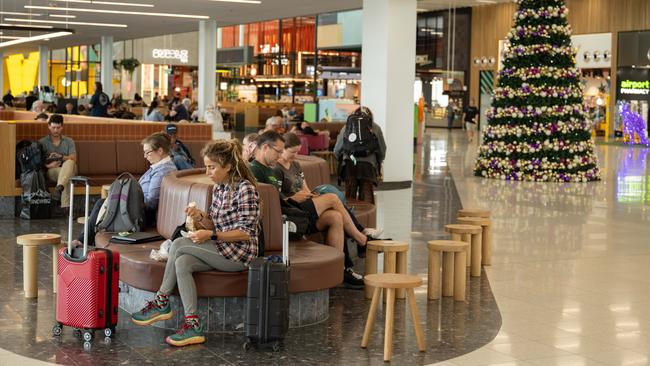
(632, 87)
(170, 54)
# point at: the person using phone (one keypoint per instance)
(230, 247)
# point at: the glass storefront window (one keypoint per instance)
(71, 72)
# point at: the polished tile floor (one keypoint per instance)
(416, 215)
(570, 274)
(571, 270)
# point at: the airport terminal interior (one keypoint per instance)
(466, 182)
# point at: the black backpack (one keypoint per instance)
(29, 157)
(359, 140)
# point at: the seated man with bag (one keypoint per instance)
(324, 214)
(60, 160)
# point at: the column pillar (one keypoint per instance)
(241, 35)
(207, 63)
(43, 58)
(3, 90)
(387, 77)
(107, 65)
(219, 37)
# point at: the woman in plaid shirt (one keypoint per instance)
(235, 211)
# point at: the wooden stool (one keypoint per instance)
(105, 189)
(471, 234)
(474, 212)
(486, 258)
(30, 244)
(486, 243)
(394, 260)
(391, 282)
(453, 269)
(329, 157)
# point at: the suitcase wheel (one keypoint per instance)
(57, 330)
(108, 332)
(247, 345)
(87, 346)
(88, 336)
(276, 346)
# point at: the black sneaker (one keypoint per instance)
(352, 280)
(56, 194)
(361, 250)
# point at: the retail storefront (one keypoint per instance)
(168, 65)
(633, 75)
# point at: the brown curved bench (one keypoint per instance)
(313, 266)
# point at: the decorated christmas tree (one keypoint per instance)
(538, 128)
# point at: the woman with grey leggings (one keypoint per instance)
(232, 245)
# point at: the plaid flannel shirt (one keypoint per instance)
(236, 209)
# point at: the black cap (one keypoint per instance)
(171, 129)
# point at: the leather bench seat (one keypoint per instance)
(103, 161)
(314, 266)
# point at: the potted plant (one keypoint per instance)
(130, 64)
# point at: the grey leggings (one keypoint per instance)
(185, 258)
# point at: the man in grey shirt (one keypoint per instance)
(60, 159)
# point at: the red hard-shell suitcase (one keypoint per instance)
(87, 284)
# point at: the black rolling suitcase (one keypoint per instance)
(267, 300)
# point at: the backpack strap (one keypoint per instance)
(113, 203)
(124, 204)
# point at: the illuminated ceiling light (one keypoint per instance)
(106, 3)
(486, 1)
(239, 1)
(105, 11)
(35, 38)
(16, 13)
(62, 16)
(68, 22)
(26, 26)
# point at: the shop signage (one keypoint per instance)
(635, 87)
(267, 48)
(170, 54)
(633, 83)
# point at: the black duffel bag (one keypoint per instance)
(36, 201)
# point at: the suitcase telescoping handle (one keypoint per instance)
(86, 181)
(285, 241)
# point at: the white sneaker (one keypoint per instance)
(374, 233)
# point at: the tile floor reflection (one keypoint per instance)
(571, 265)
(415, 215)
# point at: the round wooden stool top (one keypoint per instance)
(463, 229)
(392, 280)
(447, 245)
(478, 221)
(387, 246)
(474, 212)
(38, 239)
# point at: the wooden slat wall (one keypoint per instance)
(492, 23)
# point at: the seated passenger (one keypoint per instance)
(250, 145)
(274, 123)
(153, 114)
(60, 160)
(235, 212)
(181, 155)
(156, 150)
(294, 183)
(326, 212)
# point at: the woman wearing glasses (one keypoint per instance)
(156, 150)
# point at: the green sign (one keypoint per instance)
(635, 87)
